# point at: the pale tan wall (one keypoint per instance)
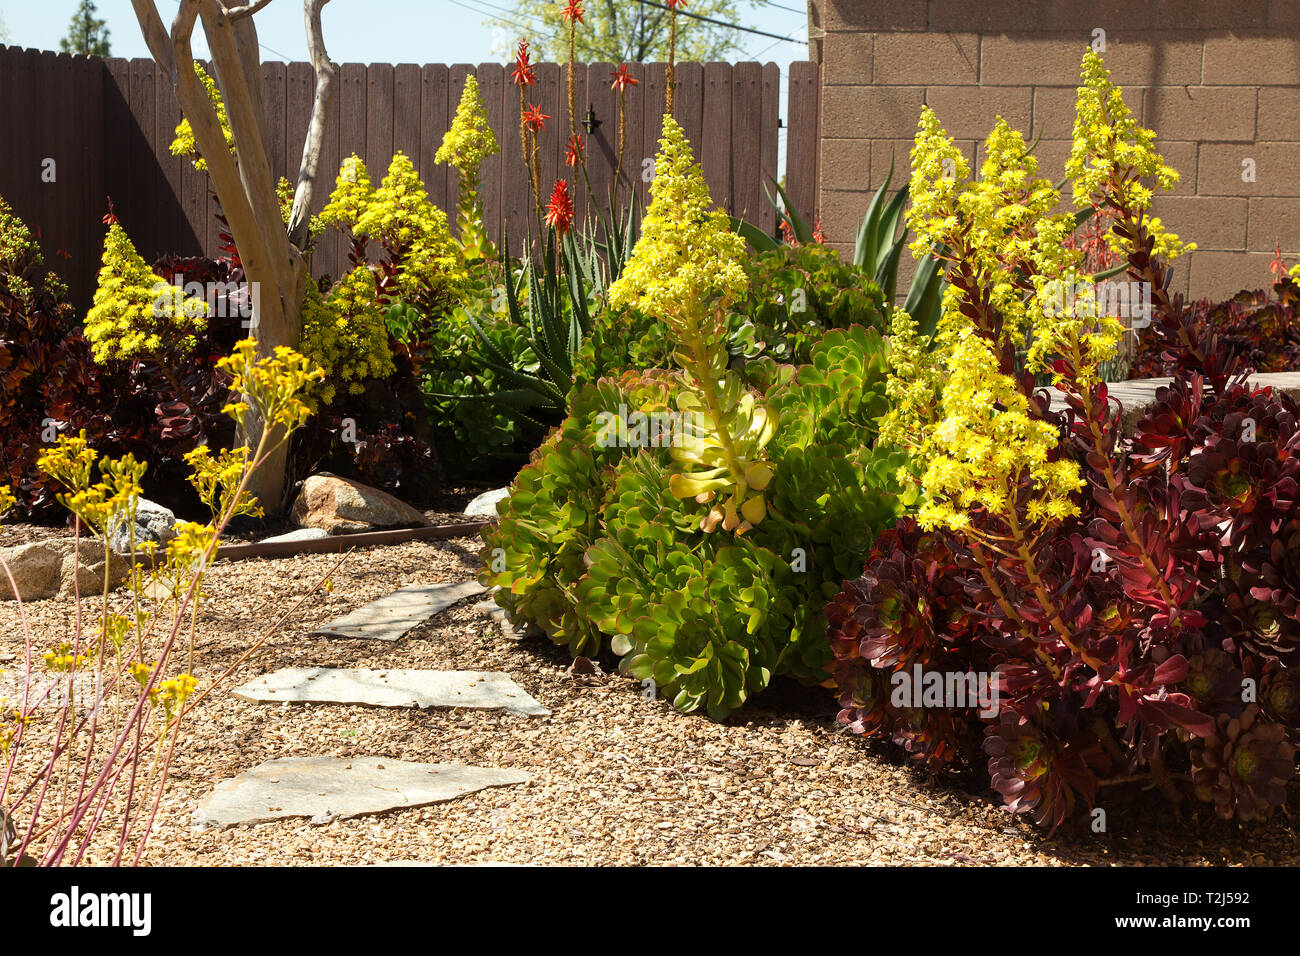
(1218, 80)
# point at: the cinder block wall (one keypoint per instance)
(1218, 80)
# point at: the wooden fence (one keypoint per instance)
(76, 130)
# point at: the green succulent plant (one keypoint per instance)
(597, 548)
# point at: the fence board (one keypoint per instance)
(580, 104)
(406, 111)
(803, 117)
(275, 80)
(516, 193)
(117, 147)
(435, 81)
(655, 81)
(768, 146)
(53, 144)
(715, 148)
(175, 233)
(136, 210)
(747, 197)
(90, 174)
(379, 120)
(689, 109)
(10, 130)
(108, 124)
(602, 143)
(634, 163)
(492, 87)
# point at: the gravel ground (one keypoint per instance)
(616, 779)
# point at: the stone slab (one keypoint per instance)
(390, 617)
(481, 690)
(337, 788)
(1137, 395)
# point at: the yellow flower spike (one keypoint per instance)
(468, 142)
(1111, 151)
(687, 252)
(136, 314)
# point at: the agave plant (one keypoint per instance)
(877, 250)
(556, 318)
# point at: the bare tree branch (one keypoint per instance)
(247, 45)
(309, 169)
(155, 35)
(246, 125)
(238, 13)
(254, 250)
(274, 259)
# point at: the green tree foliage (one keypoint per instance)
(624, 31)
(87, 34)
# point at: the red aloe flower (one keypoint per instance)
(817, 235)
(674, 4)
(573, 154)
(623, 78)
(559, 208)
(1277, 266)
(523, 74)
(535, 119)
(110, 217)
(573, 11)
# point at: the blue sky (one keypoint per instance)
(383, 31)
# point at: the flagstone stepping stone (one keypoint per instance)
(337, 788)
(390, 617)
(392, 688)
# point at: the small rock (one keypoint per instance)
(46, 569)
(485, 505)
(153, 523)
(583, 667)
(302, 534)
(342, 506)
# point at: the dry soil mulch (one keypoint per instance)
(616, 778)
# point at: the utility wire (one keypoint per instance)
(506, 20)
(721, 23)
(773, 3)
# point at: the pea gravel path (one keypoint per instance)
(615, 778)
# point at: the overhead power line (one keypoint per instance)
(774, 4)
(722, 23)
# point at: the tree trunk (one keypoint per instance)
(273, 257)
